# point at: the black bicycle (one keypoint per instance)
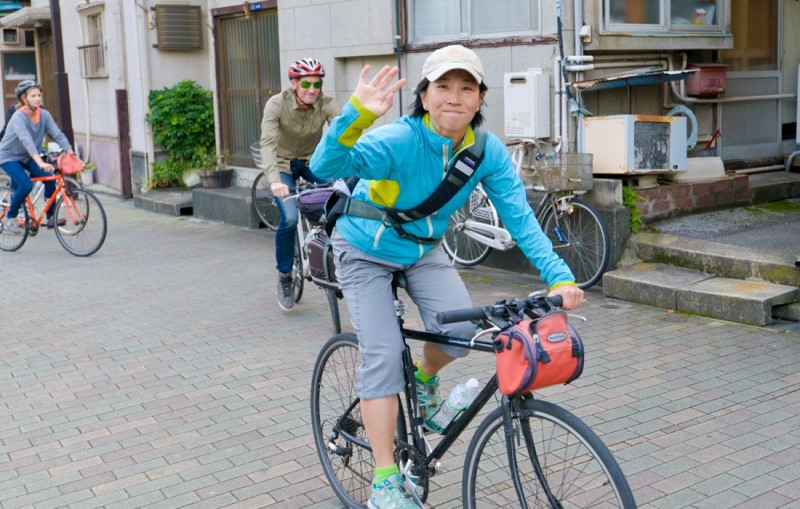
(526, 453)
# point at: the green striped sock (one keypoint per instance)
(383, 473)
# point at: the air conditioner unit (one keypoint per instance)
(636, 144)
(526, 97)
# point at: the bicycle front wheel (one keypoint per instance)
(264, 202)
(560, 463)
(297, 271)
(580, 237)
(81, 222)
(12, 241)
(460, 247)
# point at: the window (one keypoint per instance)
(10, 36)
(662, 15)
(436, 20)
(29, 38)
(93, 59)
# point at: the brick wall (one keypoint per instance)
(668, 200)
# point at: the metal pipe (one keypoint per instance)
(561, 127)
(399, 49)
(681, 94)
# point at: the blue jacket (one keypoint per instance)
(401, 164)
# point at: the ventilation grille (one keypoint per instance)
(180, 27)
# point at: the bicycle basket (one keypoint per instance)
(69, 164)
(560, 172)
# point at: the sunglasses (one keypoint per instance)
(307, 84)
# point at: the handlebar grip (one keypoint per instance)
(556, 300)
(460, 315)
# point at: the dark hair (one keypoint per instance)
(417, 110)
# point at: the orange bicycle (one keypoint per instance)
(79, 216)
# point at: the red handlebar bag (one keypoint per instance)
(538, 353)
(69, 164)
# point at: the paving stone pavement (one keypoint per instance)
(161, 373)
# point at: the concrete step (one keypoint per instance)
(230, 205)
(173, 202)
(722, 260)
(694, 291)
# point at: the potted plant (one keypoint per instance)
(87, 175)
(182, 122)
(212, 168)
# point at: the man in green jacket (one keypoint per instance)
(290, 130)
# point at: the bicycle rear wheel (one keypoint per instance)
(84, 222)
(337, 425)
(9, 241)
(580, 237)
(459, 246)
(560, 463)
(264, 202)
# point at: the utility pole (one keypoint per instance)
(62, 84)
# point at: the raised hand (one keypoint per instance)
(377, 95)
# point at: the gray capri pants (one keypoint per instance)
(366, 282)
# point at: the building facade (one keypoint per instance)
(624, 53)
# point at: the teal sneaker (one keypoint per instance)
(391, 495)
(428, 396)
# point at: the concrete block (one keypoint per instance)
(173, 202)
(231, 205)
(735, 300)
(654, 284)
(699, 168)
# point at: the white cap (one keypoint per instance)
(452, 57)
(472, 383)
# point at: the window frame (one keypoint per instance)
(92, 51)
(469, 33)
(664, 27)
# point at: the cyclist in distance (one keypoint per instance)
(400, 165)
(19, 150)
(290, 130)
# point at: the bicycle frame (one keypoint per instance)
(37, 221)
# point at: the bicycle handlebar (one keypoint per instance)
(500, 310)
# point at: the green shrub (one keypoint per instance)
(182, 120)
(629, 199)
(168, 173)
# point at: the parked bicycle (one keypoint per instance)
(526, 452)
(79, 216)
(577, 230)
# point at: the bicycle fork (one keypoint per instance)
(411, 462)
(512, 428)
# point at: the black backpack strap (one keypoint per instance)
(465, 164)
(459, 173)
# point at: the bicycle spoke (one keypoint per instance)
(84, 222)
(462, 248)
(580, 238)
(553, 448)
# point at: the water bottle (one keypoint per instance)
(459, 399)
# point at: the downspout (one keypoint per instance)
(399, 49)
(88, 113)
(578, 21)
(147, 79)
(562, 69)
